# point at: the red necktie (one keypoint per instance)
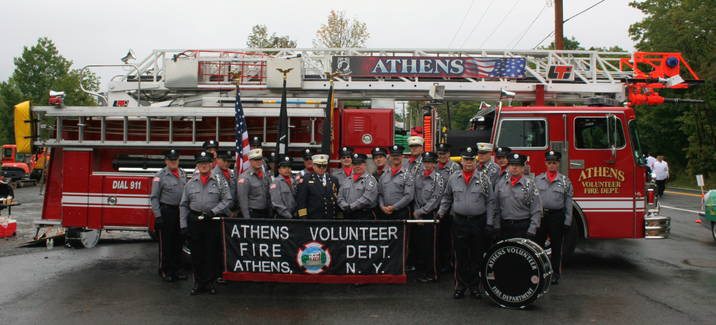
(441, 165)
(175, 172)
(260, 174)
(394, 170)
(427, 173)
(515, 179)
(227, 174)
(356, 177)
(347, 170)
(467, 176)
(412, 159)
(551, 176)
(204, 178)
(288, 180)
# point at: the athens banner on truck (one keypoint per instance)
(314, 251)
(430, 67)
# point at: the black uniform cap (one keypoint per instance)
(285, 162)
(256, 142)
(469, 153)
(226, 155)
(171, 154)
(397, 150)
(443, 148)
(517, 159)
(378, 151)
(308, 153)
(502, 151)
(210, 144)
(346, 152)
(430, 157)
(358, 158)
(204, 157)
(552, 155)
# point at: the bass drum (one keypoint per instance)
(516, 272)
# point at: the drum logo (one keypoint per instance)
(313, 257)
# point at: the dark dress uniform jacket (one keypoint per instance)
(316, 199)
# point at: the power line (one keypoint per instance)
(461, 23)
(501, 22)
(568, 19)
(529, 26)
(479, 21)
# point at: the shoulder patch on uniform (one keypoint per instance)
(242, 180)
(155, 179)
(273, 186)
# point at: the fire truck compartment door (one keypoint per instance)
(125, 200)
(600, 167)
(75, 187)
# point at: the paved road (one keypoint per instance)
(615, 281)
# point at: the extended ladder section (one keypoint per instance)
(172, 76)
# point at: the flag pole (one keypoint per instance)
(282, 140)
(327, 140)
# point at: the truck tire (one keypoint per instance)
(82, 238)
(713, 230)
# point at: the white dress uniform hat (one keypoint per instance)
(256, 154)
(320, 159)
(415, 141)
(483, 147)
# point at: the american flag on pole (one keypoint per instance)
(242, 136)
(495, 67)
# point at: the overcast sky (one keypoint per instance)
(90, 32)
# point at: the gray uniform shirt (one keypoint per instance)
(166, 189)
(518, 202)
(358, 195)
(556, 195)
(283, 197)
(492, 170)
(450, 168)
(232, 186)
(414, 167)
(428, 193)
(252, 192)
(395, 190)
(214, 197)
(471, 199)
(340, 175)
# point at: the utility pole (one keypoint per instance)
(558, 24)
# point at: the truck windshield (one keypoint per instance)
(635, 144)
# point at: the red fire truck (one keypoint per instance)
(102, 158)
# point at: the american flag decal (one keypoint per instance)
(242, 136)
(495, 67)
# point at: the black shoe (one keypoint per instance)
(426, 279)
(181, 276)
(170, 278)
(212, 289)
(458, 294)
(409, 268)
(197, 289)
(555, 281)
(220, 280)
(475, 293)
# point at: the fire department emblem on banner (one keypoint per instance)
(313, 257)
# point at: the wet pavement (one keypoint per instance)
(609, 281)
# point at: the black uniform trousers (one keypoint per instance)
(204, 244)
(424, 238)
(468, 237)
(401, 214)
(552, 226)
(259, 213)
(514, 228)
(170, 240)
(660, 187)
(366, 214)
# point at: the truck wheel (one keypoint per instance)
(82, 238)
(713, 230)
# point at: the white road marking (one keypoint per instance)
(680, 209)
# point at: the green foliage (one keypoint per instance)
(570, 43)
(260, 38)
(684, 133)
(341, 32)
(38, 70)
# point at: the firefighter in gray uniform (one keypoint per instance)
(414, 163)
(469, 197)
(252, 188)
(501, 154)
(317, 193)
(212, 147)
(205, 197)
(223, 162)
(346, 168)
(445, 167)
(283, 190)
(167, 187)
(395, 189)
(379, 156)
(556, 193)
(518, 208)
(358, 195)
(429, 187)
(484, 162)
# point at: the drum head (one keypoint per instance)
(514, 273)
